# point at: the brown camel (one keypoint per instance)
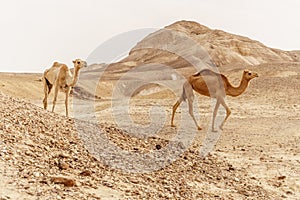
(215, 85)
(61, 77)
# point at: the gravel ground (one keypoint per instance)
(43, 157)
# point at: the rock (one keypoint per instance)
(36, 174)
(85, 173)
(236, 179)
(133, 180)
(68, 182)
(281, 177)
(62, 165)
(64, 155)
(289, 192)
(4, 198)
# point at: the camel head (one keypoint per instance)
(248, 75)
(78, 64)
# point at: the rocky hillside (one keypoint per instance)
(225, 48)
(42, 156)
(170, 46)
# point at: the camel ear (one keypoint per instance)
(74, 61)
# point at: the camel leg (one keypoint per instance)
(45, 95)
(176, 105)
(228, 112)
(55, 97)
(215, 114)
(67, 101)
(190, 102)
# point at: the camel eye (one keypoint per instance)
(78, 62)
(249, 73)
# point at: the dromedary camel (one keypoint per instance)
(215, 85)
(61, 77)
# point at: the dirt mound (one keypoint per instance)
(43, 157)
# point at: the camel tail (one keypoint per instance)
(47, 82)
(49, 85)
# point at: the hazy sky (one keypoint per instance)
(34, 33)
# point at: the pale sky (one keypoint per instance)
(35, 33)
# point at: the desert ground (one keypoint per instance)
(257, 155)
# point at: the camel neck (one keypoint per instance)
(236, 91)
(75, 77)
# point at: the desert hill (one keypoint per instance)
(219, 48)
(226, 49)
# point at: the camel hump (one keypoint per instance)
(55, 64)
(64, 68)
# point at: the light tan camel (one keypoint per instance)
(215, 85)
(61, 77)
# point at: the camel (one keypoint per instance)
(215, 85)
(61, 77)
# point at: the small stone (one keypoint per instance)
(281, 177)
(44, 182)
(36, 174)
(231, 168)
(86, 173)
(158, 146)
(68, 182)
(63, 166)
(289, 192)
(63, 155)
(133, 180)
(261, 158)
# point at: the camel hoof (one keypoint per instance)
(199, 128)
(213, 130)
(172, 125)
